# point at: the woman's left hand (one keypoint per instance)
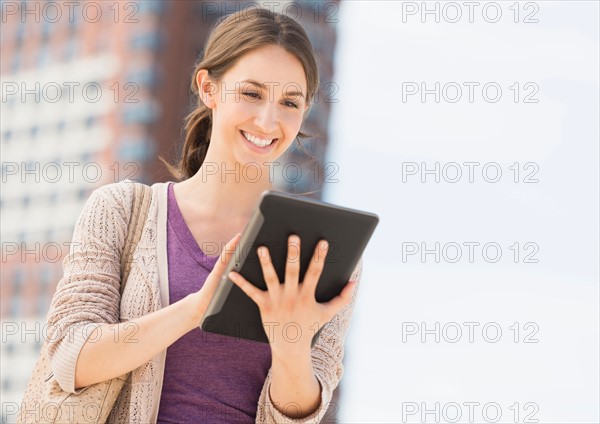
(290, 312)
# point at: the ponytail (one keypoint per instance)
(197, 126)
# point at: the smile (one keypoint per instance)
(258, 142)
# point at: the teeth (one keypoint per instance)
(257, 141)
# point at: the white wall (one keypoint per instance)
(375, 133)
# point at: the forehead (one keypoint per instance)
(269, 65)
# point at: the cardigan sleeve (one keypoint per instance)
(88, 292)
(327, 355)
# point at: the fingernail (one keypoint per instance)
(325, 245)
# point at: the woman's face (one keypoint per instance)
(258, 106)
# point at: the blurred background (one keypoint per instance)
(470, 128)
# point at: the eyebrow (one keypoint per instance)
(264, 87)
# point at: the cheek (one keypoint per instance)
(292, 123)
(237, 110)
(241, 109)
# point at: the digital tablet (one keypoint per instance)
(278, 215)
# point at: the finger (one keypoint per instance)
(217, 272)
(292, 265)
(253, 292)
(335, 305)
(315, 267)
(228, 251)
(269, 273)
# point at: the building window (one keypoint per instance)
(102, 43)
(15, 299)
(75, 21)
(90, 121)
(44, 57)
(10, 350)
(71, 48)
(139, 113)
(15, 63)
(45, 282)
(147, 40)
(20, 35)
(49, 235)
(144, 76)
(12, 102)
(26, 200)
(152, 6)
(67, 94)
(47, 28)
(135, 149)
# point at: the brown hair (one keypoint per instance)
(231, 38)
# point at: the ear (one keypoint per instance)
(207, 89)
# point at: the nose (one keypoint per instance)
(266, 118)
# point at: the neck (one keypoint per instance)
(224, 190)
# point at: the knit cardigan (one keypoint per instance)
(88, 294)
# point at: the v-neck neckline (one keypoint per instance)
(184, 234)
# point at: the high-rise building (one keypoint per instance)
(92, 93)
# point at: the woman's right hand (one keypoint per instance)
(203, 296)
(152, 333)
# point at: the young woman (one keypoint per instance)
(254, 83)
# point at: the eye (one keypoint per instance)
(291, 104)
(251, 94)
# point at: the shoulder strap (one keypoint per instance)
(139, 212)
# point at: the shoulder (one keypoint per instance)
(113, 202)
(119, 194)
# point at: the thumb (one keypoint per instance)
(217, 272)
(227, 253)
(212, 281)
(335, 305)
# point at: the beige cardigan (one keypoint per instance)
(88, 293)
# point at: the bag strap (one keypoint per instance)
(140, 205)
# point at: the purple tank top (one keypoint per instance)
(208, 377)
